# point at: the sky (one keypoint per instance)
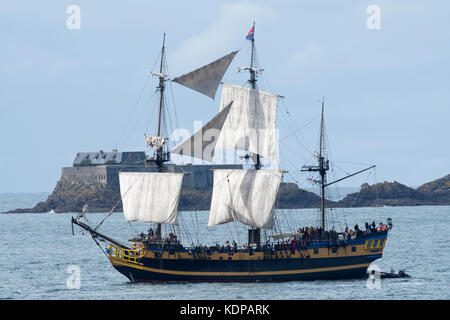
(65, 90)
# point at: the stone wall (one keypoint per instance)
(199, 177)
(85, 175)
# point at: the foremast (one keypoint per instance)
(159, 152)
(154, 196)
(204, 80)
(160, 157)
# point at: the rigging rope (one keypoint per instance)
(134, 109)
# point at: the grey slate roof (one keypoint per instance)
(112, 158)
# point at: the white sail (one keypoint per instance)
(201, 145)
(206, 79)
(250, 124)
(247, 196)
(150, 196)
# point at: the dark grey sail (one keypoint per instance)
(202, 144)
(206, 79)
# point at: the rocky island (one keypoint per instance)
(93, 180)
(436, 192)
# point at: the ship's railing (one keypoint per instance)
(129, 255)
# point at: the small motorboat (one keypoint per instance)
(391, 274)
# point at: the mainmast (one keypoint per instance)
(253, 71)
(254, 234)
(252, 82)
(252, 118)
(252, 79)
(244, 111)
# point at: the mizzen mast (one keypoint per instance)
(322, 168)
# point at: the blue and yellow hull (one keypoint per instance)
(319, 260)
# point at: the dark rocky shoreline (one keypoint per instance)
(436, 192)
(71, 197)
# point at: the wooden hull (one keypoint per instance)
(317, 261)
(301, 273)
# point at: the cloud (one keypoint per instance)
(300, 62)
(234, 20)
(312, 53)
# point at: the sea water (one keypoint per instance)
(41, 259)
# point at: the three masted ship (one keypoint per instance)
(246, 121)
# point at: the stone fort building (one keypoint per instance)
(104, 167)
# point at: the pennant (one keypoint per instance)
(250, 34)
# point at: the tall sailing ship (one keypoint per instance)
(246, 121)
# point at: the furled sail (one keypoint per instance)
(206, 79)
(201, 145)
(250, 124)
(150, 196)
(154, 141)
(247, 196)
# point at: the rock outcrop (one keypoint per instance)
(394, 193)
(69, 196)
